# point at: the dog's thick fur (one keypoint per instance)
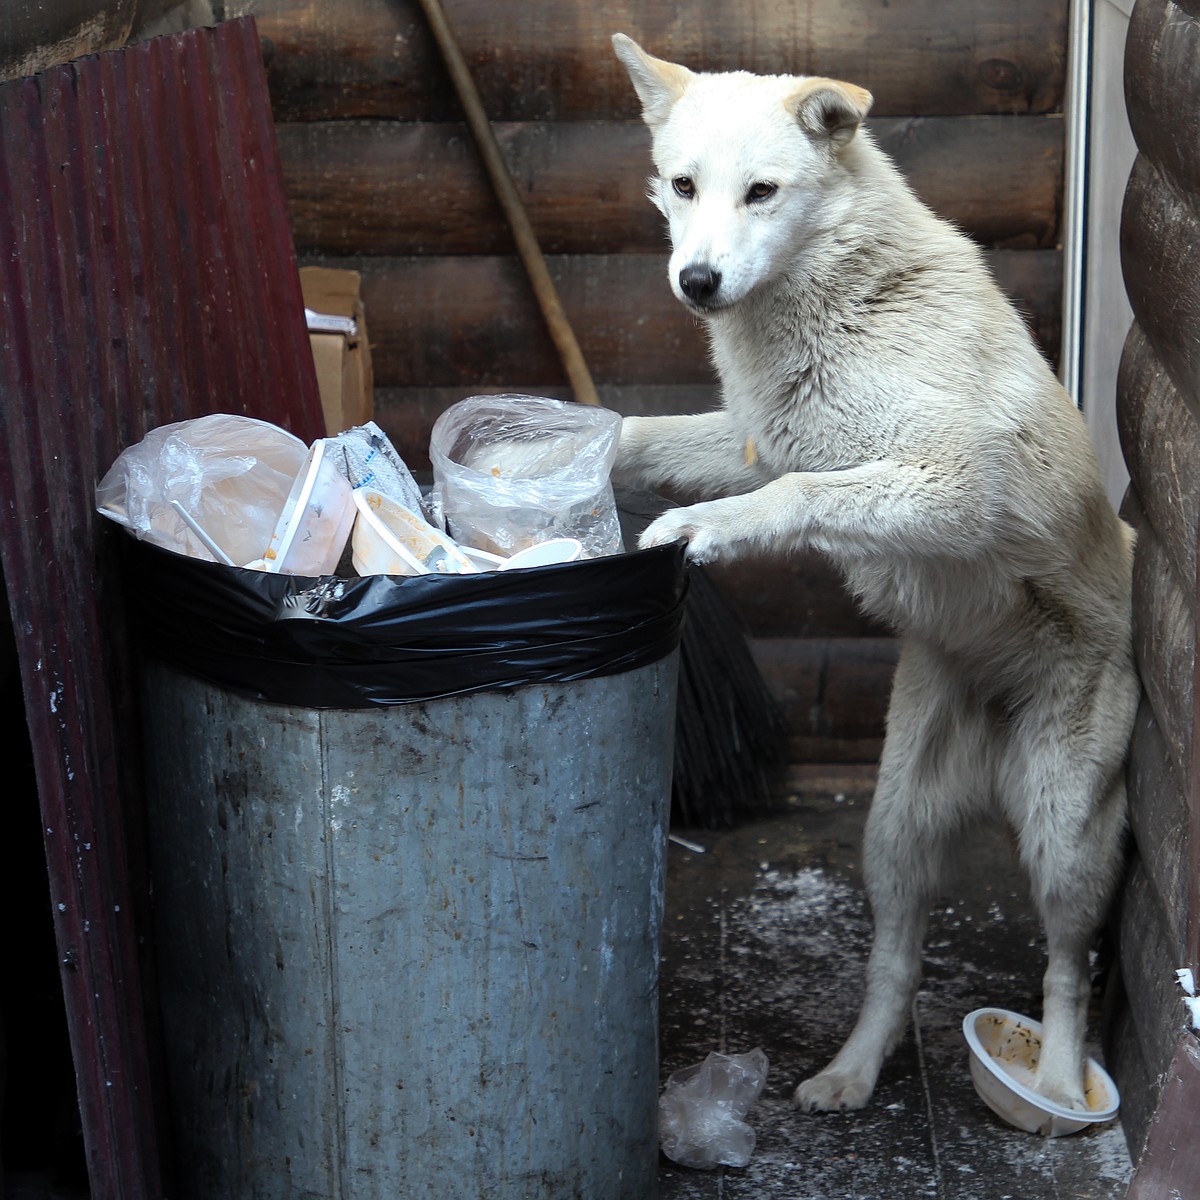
(884, 404)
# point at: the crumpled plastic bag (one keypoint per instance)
(511, 471)
(702, 1109)
(231, 474)
(367, 458)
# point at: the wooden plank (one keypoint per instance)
(386, 187)
(1164, 643)
(1159, 821)
(471, 321)
(1160, 230)
(1162, 92)
(998, 179)
(1160, 439)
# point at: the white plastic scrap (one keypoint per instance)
(1187, 981)
(319, 322)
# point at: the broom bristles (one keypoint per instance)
(730, 733)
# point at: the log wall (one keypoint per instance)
(382, 176)
(1158, 402)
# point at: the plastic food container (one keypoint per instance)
(545, 554)
(389, 539)
(316, 520)
(1004, 1049)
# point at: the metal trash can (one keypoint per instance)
(410, 948)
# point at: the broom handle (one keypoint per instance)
(518, 220)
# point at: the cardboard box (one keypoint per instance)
(343, 360)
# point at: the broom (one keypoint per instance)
(730, 735)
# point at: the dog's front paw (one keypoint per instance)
(691, 524)
(833, 1090)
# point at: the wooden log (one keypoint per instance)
(1160, 439)
(834, 693)
(1170, 1163)
(800, 595)
(1160, 234)
(1159, 820)
(471, 322)
(1164, 643)
(1162, 87)
(1159, 402)
(37, 36)
(1149, 956)
(823, 749)
(1139, 1081)
(998, 179)
(553, 59)
(386, 187)
(407, 415)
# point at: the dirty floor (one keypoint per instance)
(766, 936)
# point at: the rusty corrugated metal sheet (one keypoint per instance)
(146, 275)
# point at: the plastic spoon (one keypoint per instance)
(195, 527)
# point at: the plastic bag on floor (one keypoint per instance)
(702, 1109)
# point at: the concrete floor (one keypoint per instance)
(766, 937)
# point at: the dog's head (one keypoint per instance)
(748, 166)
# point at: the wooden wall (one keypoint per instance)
(1158, 401)
(382, 176)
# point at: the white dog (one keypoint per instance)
(884, 404)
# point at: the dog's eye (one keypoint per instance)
(760, 191)
(683, 186)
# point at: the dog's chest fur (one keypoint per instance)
(823, 384)
(834, 379)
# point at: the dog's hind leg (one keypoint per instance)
(1065, 987)
(1070, 822)
(930, 781)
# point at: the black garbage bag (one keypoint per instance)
(339, 642)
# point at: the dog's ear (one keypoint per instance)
(658, 84)
(829, 108)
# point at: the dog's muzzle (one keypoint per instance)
(699, 284)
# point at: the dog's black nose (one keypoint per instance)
(699, 284)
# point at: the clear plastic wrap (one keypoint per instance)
(221, 479)
(702, 1109)
(512, 471)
